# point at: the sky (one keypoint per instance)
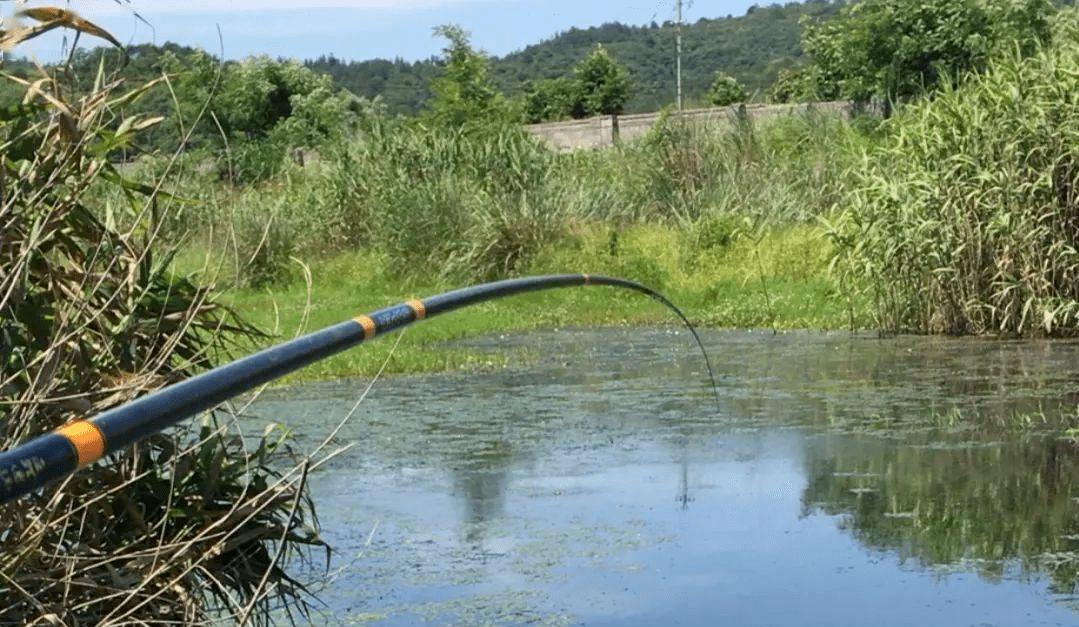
(356, 29)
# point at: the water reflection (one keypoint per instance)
(828, 451)
(479, 461)
(483, 494)
(683, 498)
(975, 504)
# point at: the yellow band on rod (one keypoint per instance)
(369, 329)
(87, 439)
(418, 308)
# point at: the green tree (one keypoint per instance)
(270, 108)
(464, 92)
(726, 90)
(192, 77)
(794, 84)
(553, 99)
(896, 49)
(604, 83)
(786, 87)
(319, 116)
(258, 93)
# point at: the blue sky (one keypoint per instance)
(362, 29)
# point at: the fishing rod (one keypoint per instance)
(52, 456)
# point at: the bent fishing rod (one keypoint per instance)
(52, 456)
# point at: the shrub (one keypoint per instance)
(553, 100)
(726, 91)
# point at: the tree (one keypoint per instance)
(726, 90)
(604, 83)
(320, 116)
(897, 49)
(192, 76)
(552, 100)
(464, 92)
(792, 85)
(258, 93)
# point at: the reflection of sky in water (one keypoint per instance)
(597, 484)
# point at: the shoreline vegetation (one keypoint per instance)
(798, 293)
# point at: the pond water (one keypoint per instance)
(843, 480)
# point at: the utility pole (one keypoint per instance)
(678, 46)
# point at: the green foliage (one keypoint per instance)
(193, 76)
(553, 100)
(404, 87)
(265, 235)
(269, 110)
(793, 85)
(455, 201)
(789, 168)
(726, 90)
(478, 202)
(258, 94)
(604, 84)
(716, 232)
(896, 49)
(247, 116)
(964, 220)
(599, 87)
(464, 92)
(753, 48)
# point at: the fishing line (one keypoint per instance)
(52, 456)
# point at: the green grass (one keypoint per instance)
(718, 287)
(723, 218)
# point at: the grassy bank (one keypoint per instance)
(929, 222)
(720, 285)
(724, 218)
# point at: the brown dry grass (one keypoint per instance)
(189, 527)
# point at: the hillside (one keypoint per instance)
(753, 48)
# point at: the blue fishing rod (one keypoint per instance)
(52, 456)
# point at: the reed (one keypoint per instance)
(187, 527)
(481, 201)
(966, 219)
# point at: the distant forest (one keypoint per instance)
(752, 48)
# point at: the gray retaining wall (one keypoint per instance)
(598, 132)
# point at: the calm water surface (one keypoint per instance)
(843, 481)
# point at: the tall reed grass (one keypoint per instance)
(479, 202)
(966, 219)
(187, 527)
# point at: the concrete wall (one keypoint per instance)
(598, 132)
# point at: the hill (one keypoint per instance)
(752, 48)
